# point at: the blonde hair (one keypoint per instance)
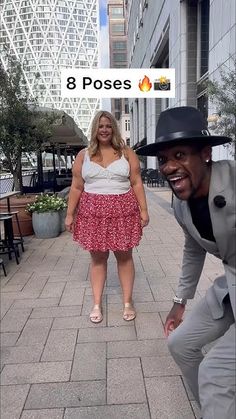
(117, 141)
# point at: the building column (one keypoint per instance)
(151, 129)
(135, 118)
(182, 82)
(141, 119)
(132, 140)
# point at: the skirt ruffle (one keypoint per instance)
(108, 222)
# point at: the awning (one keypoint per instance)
(140, 143)
(66, 134)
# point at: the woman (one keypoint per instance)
(112, 208)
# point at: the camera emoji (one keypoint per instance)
(162, 83)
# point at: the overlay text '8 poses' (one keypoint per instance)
(107, 208)
(204, 206)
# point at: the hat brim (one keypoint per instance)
(211, 140)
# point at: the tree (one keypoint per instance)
(22, 127)
(223, 95)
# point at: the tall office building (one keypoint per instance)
(47, 35)
(197, 39)
(118, 59)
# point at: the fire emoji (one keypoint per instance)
(145, 85)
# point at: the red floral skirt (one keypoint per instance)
(108, 222)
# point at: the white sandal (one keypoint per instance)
(129, 312)
(96, 314)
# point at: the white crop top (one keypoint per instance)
(113, 179)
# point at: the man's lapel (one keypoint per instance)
(218, 215)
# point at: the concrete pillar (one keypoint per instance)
(182, 82)
(151, 128)
(141, 119)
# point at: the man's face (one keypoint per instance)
(186, 170)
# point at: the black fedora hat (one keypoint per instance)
(182, 125)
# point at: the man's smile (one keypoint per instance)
(178, 181)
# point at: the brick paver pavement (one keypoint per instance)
(56, 364)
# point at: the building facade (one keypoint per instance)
(196, 37)
(118, 59)
(46, 36)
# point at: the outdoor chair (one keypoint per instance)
(3, 267)
(18, 239)
(161, 179)
(153, 178)
(7, 243)
(144, 175)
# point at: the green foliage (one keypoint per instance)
(47, 203)
(223, 95)
(22, 127)
(15, 116)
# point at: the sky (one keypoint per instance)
(103, 35)
(103, 12)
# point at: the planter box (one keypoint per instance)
(62, 215)
(46, 225)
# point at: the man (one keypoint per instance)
(204, 206)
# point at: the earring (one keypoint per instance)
(207, 161)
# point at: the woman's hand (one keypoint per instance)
(69, 223)
(144, 218)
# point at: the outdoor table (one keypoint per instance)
(7, 196)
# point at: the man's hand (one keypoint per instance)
(174, 318)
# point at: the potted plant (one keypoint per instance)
(47, 215)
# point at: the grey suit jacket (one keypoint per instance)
(224, 229)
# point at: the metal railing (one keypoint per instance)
(6, 180)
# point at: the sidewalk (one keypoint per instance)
(56, 364)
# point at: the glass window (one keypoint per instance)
(202, 105)
(127, 125)
(204, 16)
(126, 106)
(119, 45)
(119, 56)
(117, 116)
(118, 28)
(116, 12)
(120, 65)
(117, 103)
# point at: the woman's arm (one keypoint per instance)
(76, 189)
(137, 185)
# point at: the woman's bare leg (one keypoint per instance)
(125, 266)
(98, 274)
